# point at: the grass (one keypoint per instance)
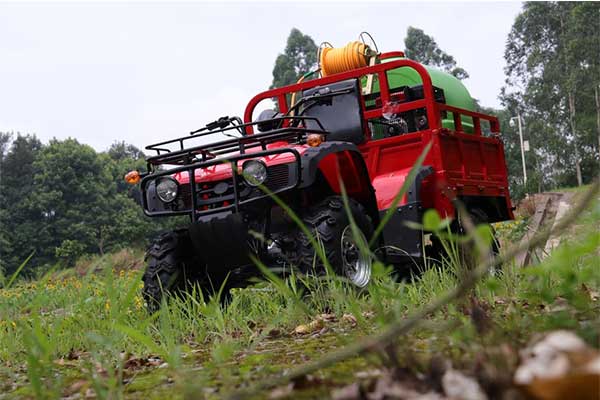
(70, 334)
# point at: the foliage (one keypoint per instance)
(69, 252)
(511, 231)
(63, 200)
(553, 74)
(17, 221)
(512, 153)
(299, 57)
(422, 48)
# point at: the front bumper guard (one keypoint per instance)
(237, 202)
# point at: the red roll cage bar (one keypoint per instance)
(433, 108)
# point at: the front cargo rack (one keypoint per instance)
(293, 130)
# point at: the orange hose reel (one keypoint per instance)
(335, 60)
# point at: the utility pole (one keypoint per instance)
(522, 149)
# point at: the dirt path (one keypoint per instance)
(549, 208)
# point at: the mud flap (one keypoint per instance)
(222, 242)
(403, 243)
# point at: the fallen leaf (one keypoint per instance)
(349, 319)
(75, 355)
(368, 314)
(560, 304)
(65, 362)
(307, 381)
(76, 387)
(371, 373)
(311, 327)
(274, 333)
(594, 295)
(155, 361)
(547, 358)
(322, 331)
(100, 370)
(479, 316)
(499, 301)
(328, 317)
(133, 363)
(558, 366)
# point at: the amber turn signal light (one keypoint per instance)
(314, 139)
(132, 177)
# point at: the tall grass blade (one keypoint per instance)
(18, 271)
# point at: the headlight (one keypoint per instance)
(254, 172)
(167, 189)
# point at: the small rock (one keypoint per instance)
(350, 392)
(281, 392)
(459, 386)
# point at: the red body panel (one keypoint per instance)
(223, 171)
(464, 164)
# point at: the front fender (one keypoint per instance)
(340, 162)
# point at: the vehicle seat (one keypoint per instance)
(341, 114)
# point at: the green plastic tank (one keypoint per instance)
(455, 93)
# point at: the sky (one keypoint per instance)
(147, 72)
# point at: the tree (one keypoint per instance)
(423, 48)
(124, 158)
(553, 66)
(82, 210)
(120, 151)
(64, 199)
(17, 222)
(5, 138)
(299, 57)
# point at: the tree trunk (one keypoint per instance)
(597, 96)
(101, 242)
(572, 123)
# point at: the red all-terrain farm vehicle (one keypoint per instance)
(360, 127)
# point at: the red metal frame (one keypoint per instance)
(464, 164)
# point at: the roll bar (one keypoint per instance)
(433, 108)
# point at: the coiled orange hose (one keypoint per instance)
(335, 60)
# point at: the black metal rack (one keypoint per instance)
(231, 151)
(293, 130)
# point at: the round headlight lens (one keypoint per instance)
(254, 172)
(167, 189)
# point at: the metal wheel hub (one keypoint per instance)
(356, 266)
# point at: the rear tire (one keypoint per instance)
(172, 268)
(328, 221)
(468, 254)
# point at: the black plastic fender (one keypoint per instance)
(401, 241)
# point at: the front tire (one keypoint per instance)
(171, 268)
(330, 225)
